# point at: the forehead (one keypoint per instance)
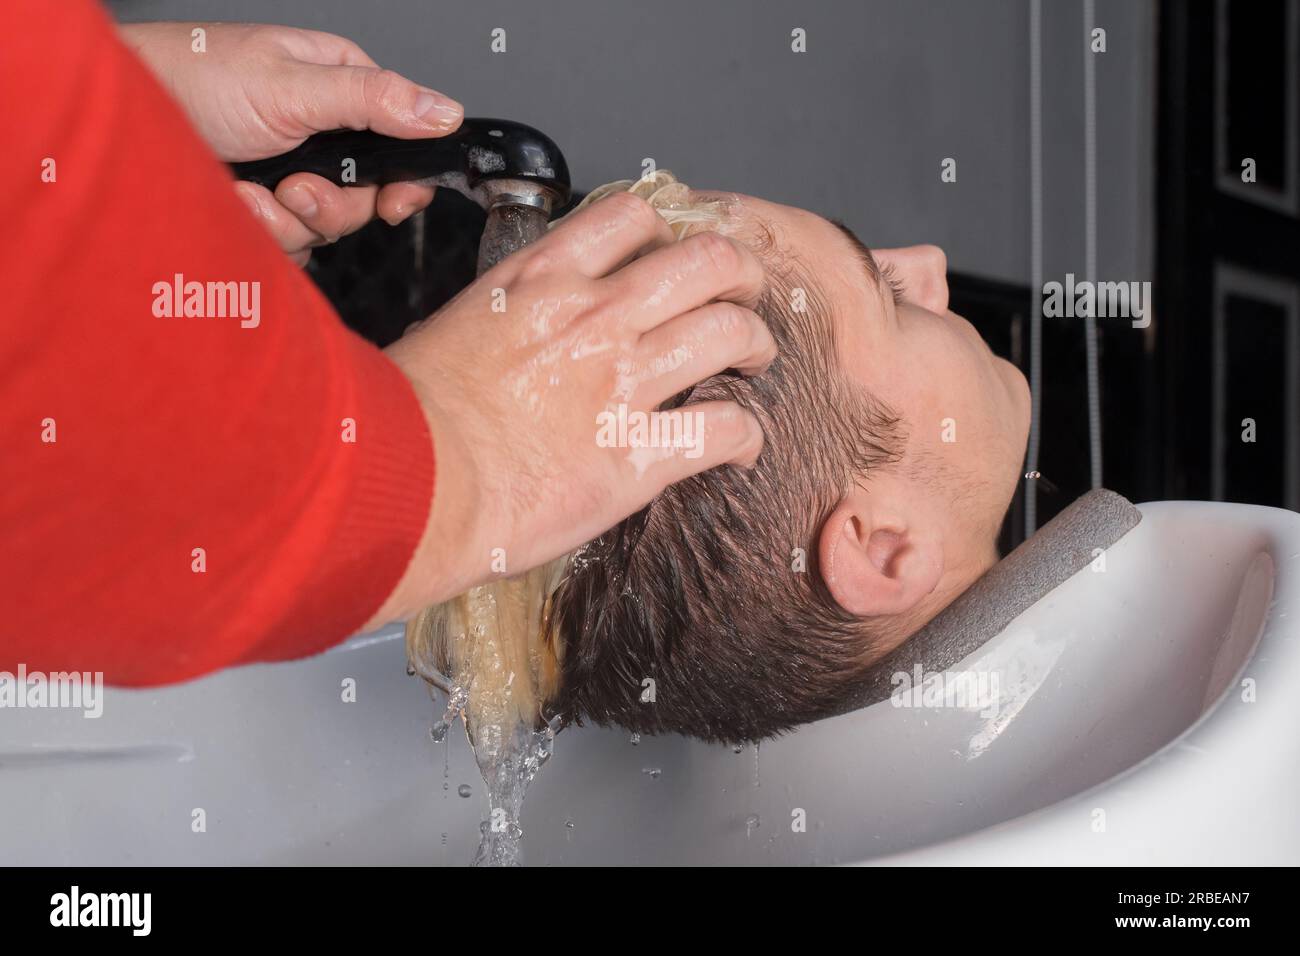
(812, 242)
(798, 226)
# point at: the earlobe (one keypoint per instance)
(875, 565)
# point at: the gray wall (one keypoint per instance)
(855, 128)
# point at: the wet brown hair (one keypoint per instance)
(705, 613)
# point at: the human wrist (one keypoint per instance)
(449, 558)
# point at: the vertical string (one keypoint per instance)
(1036, 253)
(1090, 238)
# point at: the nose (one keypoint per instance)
(923, 271)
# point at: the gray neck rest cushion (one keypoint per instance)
(1058, 550)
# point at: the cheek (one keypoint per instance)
(962, 412)
(952, 379)
(940, 377)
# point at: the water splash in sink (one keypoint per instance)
(494, 642)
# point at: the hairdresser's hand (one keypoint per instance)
(601, 320)
(256, 91)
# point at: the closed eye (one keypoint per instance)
(889, 274)
(881, 278)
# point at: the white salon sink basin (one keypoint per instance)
(1147, 715)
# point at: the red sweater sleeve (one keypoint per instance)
(177, 494)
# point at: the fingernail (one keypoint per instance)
(438, 110)
(254, 203)
(300, 201)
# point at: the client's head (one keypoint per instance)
(740, 603)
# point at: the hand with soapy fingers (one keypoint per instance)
(254, 91)
(541, 383)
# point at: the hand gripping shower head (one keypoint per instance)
(513, 171)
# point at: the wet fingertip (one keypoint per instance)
(405, 203)
(753, 443)
(300, 201)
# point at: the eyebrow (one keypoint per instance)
(864, 253)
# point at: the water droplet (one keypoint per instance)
(738, 749)
(464, 790)
(752, 823)
(636, 739)
(651, 772)
(570, 824)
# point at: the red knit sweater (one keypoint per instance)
(177, 494)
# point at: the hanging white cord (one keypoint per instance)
(1090, 231)
(1036, 253)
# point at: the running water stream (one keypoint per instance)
(493, 642)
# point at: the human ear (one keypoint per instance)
(874, 561)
